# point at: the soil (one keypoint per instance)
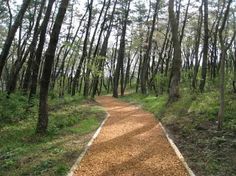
(130, 143)
(214, 151)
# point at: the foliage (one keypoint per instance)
(71, 122)
(14, 108)
(192, 122)
(161, 81)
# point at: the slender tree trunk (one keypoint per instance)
(127, 73)
(121, 53)
(84, 54)
(22, 54)
(30, 50)
(56, 71)
(176, 65)
(196, 48)
(38, 53)
(222, 89)
(11, 34)
(205, 47)
(234, 63)
(103, 50)
(184, 22)
(45, 79)
(214, 52)
(134, 69)
(146, 58)
(70, 82)
(139, 70)
(222, 68)
(90, 61)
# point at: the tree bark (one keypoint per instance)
(30, 50)
(234, 62)
(84, 53)
(103, 49)
(196, 48)
(146, 58)
(121, 53)
(223, 48)
(38, 53)
(11, 34)
(176, 65)
(90, 61)
(45, 79)
(205, 47)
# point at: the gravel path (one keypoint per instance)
(130, 143)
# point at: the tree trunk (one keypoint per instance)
(103, 49)
(90, 61)
(146, 58)
(121, 53)
(196, 48)
(184, 22)
(176, 65)
(139, 70)
(38, 53)
(222, 68)
(84, 53)
(205, 47)
(234, 81)
(30, 50)
(45, 79)
(11, 34)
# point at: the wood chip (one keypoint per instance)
(131, 143)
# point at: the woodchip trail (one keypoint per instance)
(131, 143)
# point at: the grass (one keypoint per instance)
(71, 124)
(193, 125)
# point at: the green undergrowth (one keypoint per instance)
(72, 121)
(192, 121)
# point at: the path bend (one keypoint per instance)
(131, 143)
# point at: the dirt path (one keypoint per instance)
(130, 143)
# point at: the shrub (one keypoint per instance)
(13, 108)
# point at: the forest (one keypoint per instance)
(175, 59)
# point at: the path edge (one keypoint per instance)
(81, 156)
(175, 148)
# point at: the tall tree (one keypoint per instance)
(196, 48)
(45, 79)
(146, 59)
(11, 34)
(38, 54)
(234, 63)
(176, 63)
(205, 47)
(30, 51)
(91, 60)
(84, 52)
(121, 53)
(224, 47)
(103, 51)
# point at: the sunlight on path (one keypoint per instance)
(130, 143)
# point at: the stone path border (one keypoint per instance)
(77, 162)
(170, 141)
(175, 148)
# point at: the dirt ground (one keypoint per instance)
(130, 143)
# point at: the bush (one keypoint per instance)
(13, 108)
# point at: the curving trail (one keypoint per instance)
(130, 143)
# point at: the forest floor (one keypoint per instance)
(130, 143)
(192, 123)
(72, 123)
